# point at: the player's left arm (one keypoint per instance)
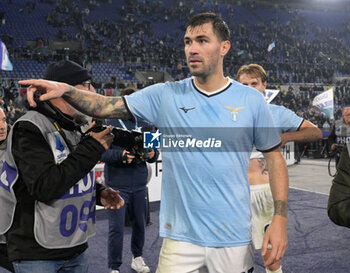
(276, 234)
(307, 132)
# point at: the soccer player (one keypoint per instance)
(291, 128)
(205, 208)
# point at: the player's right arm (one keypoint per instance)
(89, 103)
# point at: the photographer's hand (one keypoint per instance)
(127, 157)
(105, 137)
(110, 199)
(334, 146)
(151, 154)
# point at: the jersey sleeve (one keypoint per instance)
(290, 122)
(145, 103)
(266, 137)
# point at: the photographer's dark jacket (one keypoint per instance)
(339, 196)
(47, 183)
(120, 175)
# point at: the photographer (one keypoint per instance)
(339, 196)
(125, 172)
(340, 134)
(48, 192)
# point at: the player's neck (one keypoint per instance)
(211, 84)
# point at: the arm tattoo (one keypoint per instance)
(96, 105)
(280, 208)
(262, 164)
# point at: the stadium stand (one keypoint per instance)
(115, 39)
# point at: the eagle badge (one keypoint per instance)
(234, 112)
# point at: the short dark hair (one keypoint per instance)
(127, 91)
(220, 28)
(253, 70)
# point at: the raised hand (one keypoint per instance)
(49, 89)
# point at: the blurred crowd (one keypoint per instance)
(11, 101)
(148, 34)
(304, 52)
(298, 98)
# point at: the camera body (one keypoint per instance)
(131, 140)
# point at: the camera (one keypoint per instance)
(131, 140)
(337, 151)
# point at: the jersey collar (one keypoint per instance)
(214, 93)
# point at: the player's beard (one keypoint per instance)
(205, 68)
(200, 73)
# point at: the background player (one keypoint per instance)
(291, 128)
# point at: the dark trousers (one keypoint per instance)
(136, 204)
(4, 260)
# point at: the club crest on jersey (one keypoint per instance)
(234, 112)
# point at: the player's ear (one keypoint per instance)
(225, 47)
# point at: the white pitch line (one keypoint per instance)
(308, 190)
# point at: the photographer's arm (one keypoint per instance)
(87, 102)
(43, 178)
(114, 155)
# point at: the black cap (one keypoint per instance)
(66, 71)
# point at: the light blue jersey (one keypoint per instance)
(285, 119)
(205, 192)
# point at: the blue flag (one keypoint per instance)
(325, 102)
(5, 63)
